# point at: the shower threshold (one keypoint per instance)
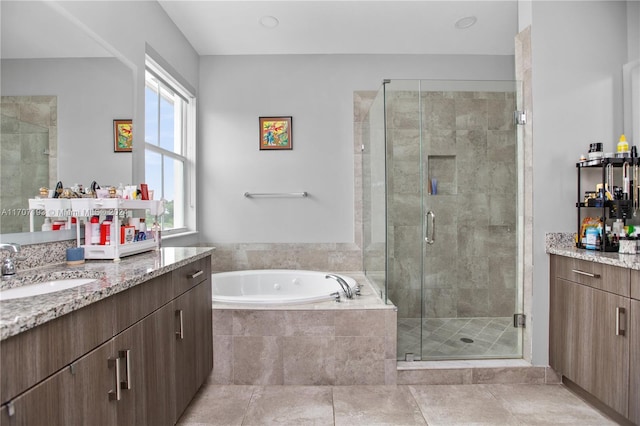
(455, 364)
(478, 371)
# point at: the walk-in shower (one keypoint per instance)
(442, 215)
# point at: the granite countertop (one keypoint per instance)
(562, 243)
(18, 315)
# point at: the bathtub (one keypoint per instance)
(275, 286)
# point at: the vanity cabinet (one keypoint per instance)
(590, 331)
(145, 372)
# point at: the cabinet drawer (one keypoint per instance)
(32, 356)
(635, 284)
(593, 274)
(188, 276)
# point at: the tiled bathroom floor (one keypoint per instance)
(449, 338)
(432, 405)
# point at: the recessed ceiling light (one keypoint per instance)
(269, 21)
(466, 22)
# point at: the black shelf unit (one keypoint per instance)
(611, 209)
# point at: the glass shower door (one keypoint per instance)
(471, 287)
(452, 218)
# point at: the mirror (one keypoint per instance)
(61, 91)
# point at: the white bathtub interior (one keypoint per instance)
(276, 286)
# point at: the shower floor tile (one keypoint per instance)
(458, 338)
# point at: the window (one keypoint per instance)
(170, 147)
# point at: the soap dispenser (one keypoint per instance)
(47, 225)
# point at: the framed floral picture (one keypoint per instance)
(275, 133)
(122, 136)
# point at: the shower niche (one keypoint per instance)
(442, 175)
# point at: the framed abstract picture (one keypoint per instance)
(122, 136)
(275, 133)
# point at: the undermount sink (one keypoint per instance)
(43, 288)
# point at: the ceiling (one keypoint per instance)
(33, 29)
(346, 27)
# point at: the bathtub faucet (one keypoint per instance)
(343, 284)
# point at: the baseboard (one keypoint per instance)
(596, 403)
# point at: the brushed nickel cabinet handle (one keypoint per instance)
(586, 274)
(620, 331)
(196, 274)
(126, 355)
(115, 363)
(180, 334)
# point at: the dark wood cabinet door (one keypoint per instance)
(634, 362)
(44, 404)
(585, 347)
(159, 360)
(129, 348)
(185, 346)
(90, 394)
(203, 332)
(609, 380)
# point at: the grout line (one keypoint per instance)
(333, 404)
(246, 410)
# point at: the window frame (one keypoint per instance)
(188, 145)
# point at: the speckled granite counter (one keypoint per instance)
(18, 315)
(563, 244)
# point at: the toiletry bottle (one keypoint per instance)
(105, 233)
(95, 230)
(87, 232)
(142, 234)
(47, 226)
(623, 146)
(155, 230)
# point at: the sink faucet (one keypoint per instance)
(8, 265)
(343, 284)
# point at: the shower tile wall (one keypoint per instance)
(470, 148)
(28, 158)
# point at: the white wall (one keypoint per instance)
(578, 49)
(317, 91)
(633, 29)
(91, 93)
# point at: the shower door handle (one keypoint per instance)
(430, 231)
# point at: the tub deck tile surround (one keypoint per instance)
(18, 315)
(325, 343)
(316, 257)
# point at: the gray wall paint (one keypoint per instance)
(91, 94)
(317, 90)
(577, 99)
